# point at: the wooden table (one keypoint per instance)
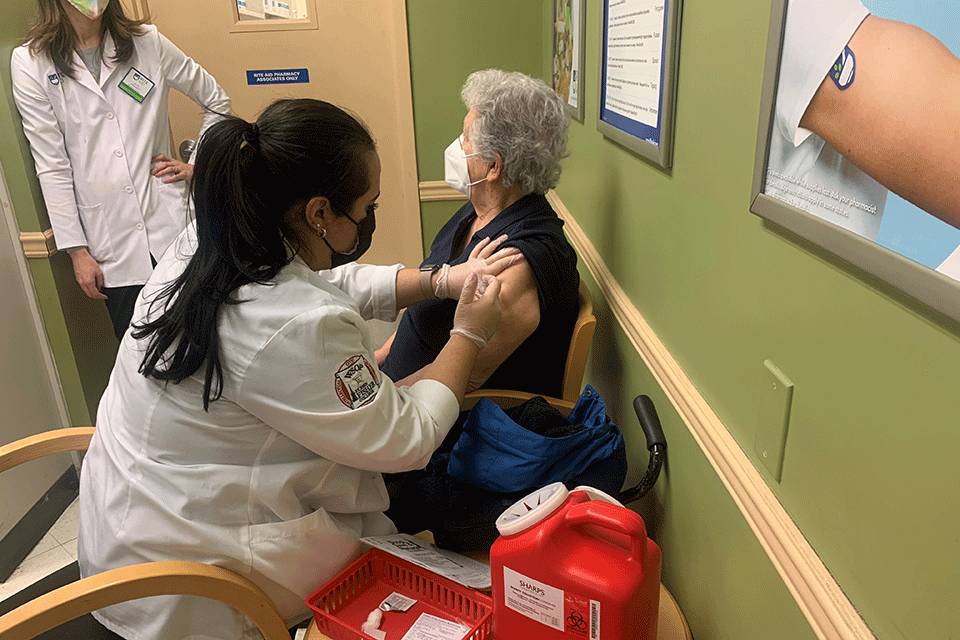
(671, 625)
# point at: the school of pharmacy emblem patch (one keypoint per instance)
(356, 382)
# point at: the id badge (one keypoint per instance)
(136, 85)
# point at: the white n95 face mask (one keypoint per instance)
(455, 170)
(93, 9)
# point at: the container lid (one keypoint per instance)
(530, 510)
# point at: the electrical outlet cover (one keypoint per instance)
(776, 395)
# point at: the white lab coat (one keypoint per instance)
(92, 146)
(282, 476)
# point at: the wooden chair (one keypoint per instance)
(77, 599)
(580, 342)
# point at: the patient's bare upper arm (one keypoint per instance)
(520, 306)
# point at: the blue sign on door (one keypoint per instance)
(278, 76)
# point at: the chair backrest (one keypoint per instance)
(580, 342)
(82, 597)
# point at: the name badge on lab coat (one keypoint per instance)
(136, 85)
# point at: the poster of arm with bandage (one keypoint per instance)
(863, 133)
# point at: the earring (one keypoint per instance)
(323, 231)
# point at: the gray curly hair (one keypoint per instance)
(523, 120)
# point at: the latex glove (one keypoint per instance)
(478, 314)
(483, 260)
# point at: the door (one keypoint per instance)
(356, 56)
(30, 398)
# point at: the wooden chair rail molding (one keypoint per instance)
(38, 244)
(437, 190)
(830, 613)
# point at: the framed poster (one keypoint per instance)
(638, 66)
(569, 18)
(858, 140)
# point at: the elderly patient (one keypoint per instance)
(514, 136)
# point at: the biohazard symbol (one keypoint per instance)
(575, 621)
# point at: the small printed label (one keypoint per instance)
(277, 76)
(136, 85)
(533, 599)
(397, 602)
(594, 620)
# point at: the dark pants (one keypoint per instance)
(120, 302)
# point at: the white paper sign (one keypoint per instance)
(634, 52)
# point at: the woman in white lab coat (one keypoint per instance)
(246, 423)
(91, 86)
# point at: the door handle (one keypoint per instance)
(187, 147)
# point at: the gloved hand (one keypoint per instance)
(478, 314)
(482, 261)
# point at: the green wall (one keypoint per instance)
(77, 327)
(449, 39)
(869, 475)
(871, 441)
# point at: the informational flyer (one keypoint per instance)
(634, 57)
(428, 627)
(639, 45)
(448, 564)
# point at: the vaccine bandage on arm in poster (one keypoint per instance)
(802, 169)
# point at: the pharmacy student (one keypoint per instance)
(92, 89)
(246, 423)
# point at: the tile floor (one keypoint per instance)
(57, 549)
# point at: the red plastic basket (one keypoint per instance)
(341, 606)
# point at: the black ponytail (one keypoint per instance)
(247, 177)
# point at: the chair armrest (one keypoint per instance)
(44, 444)
(141, 581)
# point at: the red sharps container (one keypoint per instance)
(574, 565)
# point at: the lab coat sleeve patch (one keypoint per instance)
(356, 382)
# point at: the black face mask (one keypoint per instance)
(365, 229)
